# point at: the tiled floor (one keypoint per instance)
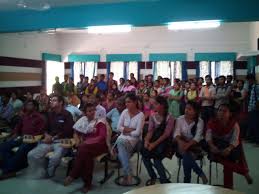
(23, 184)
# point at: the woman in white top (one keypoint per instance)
(130, 125)
(188, 133)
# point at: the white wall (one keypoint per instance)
(254, 35)
(230, 37)
(27, 45)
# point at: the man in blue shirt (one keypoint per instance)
(101, 85)
(115, 113)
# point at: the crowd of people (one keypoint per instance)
(102, 116)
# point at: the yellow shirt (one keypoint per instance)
(192, 95)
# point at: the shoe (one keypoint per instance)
(151, 182)
(7, 175)
(204, 179)
(85, 189)
(68, 180)
(249, 179)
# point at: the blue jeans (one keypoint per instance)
(36, 157)
(190, 164)
(124, 155)
(159, 167)
(13, 162)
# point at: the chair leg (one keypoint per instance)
(210, 172)
(107, 175)
(217, 174)
(179, 168)
(137, 174)
(201, 165)
(69, 167)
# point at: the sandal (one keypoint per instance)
(151, 182)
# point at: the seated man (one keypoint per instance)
(32, 123)
(6, 111)
(59, 126)
(114, 115)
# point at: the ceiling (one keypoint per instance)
(83, 13)
(7, 5)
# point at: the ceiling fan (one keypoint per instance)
(37, 6)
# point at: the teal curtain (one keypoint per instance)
(123, 57)
(168, 57)
(83, 58)
(51, 57)
(231, 56)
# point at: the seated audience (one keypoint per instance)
(109, 104)
(157, 140)
(59, 126)
(114, 114)
(188, 134)
(91, 88)
(72, 98)
(43, 101)
(223, 137)
(93, 144)
(7, 111)
(130, 125)
(32, 123)
(16, 103)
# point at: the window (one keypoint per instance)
(54, 69)
(168, 69)
(117, 68)
(226, 68)
(216, 68)
(88, 69)
(132, 68)
(204, 68)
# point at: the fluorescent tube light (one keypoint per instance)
(190, 25)
(109, 29)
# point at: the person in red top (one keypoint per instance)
(111, 81)
(32, 123)
(94, 133)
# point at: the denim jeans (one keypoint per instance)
(36, 157)
(190, 164)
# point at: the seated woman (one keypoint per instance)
(223, 137)
(130, 125)
(155, 144)
(90, 135)
(109, 104)
(188, 134)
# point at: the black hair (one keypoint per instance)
(60, 98)
(196, 107)
(232, 106)
(162, 100)
(34, 102)
(132, 97)
(87, 106)
(222, 76)
(230, 76)
(208, 77)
